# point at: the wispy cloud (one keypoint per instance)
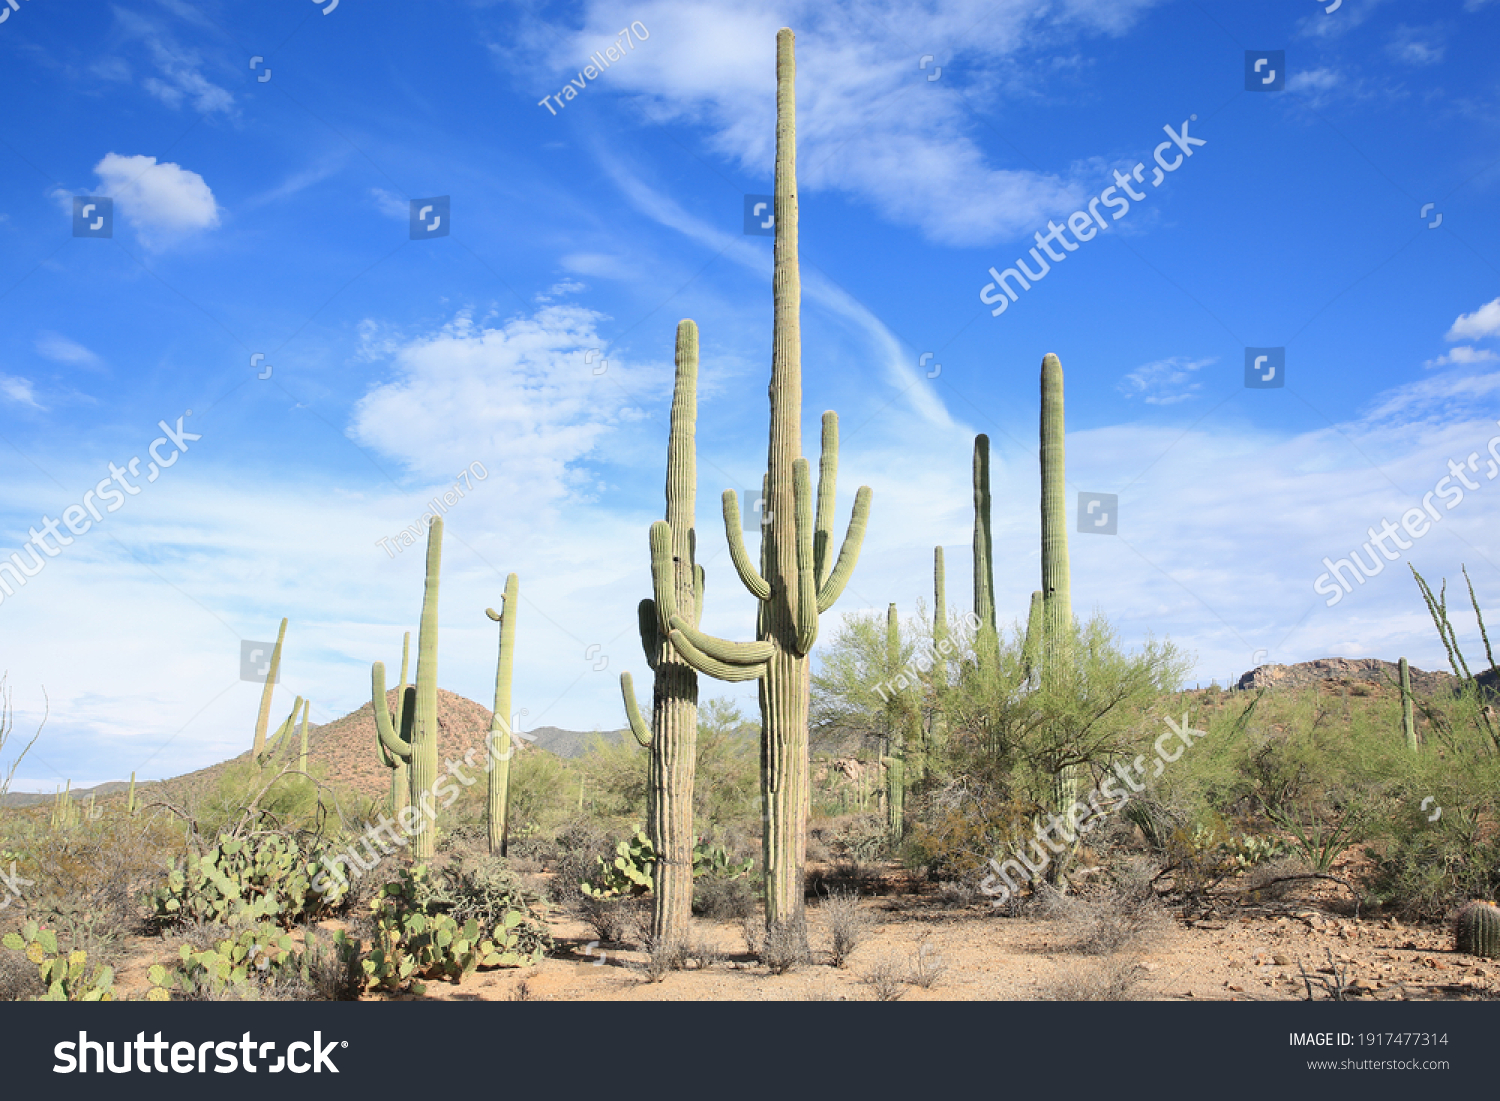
(69, 353)
(1164, 381)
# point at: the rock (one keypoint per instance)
(1281, 961)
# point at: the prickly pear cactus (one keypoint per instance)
(1476, 929)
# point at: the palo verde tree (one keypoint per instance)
(797, 579)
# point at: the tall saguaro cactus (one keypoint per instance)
(897, 716)
(1057, 599)
(417, 746)
(797, 580)
(497, 805)
(673, 734)
(984, 567)
(262, 720)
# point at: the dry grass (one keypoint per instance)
(847, 923)
(886, 980)
(1108, 979)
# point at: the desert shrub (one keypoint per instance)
(721, 899)
(886, 980)
(847, 924)
(1108, 979)
(617, 920)
(753, 932)
(927, 966)
(1123, 916)
(331, 967)
(19, 978)
(580, 846)
(784, 947)
(87, 880)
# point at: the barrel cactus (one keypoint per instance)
(1476, 929)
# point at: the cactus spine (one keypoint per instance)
(1476, 929)
(795, 583)
(263, 719)
(1408, 715)
(416, 743)
(673, 734)
(502, 742)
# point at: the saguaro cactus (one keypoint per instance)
(897, 717)
(263, 719)
(418, 744)
(130, 799)
(302, 757)
(673, 734)
(1057, 599)
(1032, 647)
(984, 569)
(502, 744)
(1056, 587)
(400, 723)
(797, 581)
(1408, 714)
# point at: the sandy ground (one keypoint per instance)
(1249, 952)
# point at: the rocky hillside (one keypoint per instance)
(1339, 673)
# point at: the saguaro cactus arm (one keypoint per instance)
(263, 719)
(732, 653)
(391, 746)
(645, 613)
(713, 667)
(854, 538)
(807, 581)
(638, 725)
(828, 476)
(759, 587)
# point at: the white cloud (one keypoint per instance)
(1462, 354)
(521, 393)
(1164, 381)
(1483, 322)
(162, 201)
(391, 204)
(1415, 45)
(70, 353)
(867, 124)
(181, 79)
(19, 390)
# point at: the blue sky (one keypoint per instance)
(269, 215)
